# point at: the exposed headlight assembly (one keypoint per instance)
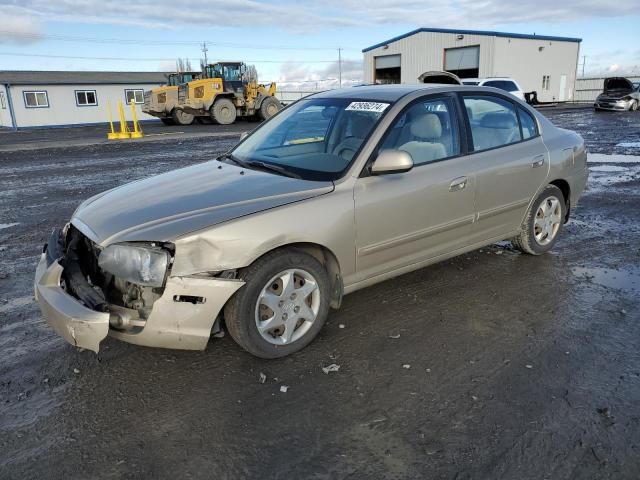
(139, 264)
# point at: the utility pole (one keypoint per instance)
(205, 50)
(340, 67)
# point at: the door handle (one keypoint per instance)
(457, 184)
(537, 161)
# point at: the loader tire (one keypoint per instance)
(180, 117)
(269, 107)
(223, 111)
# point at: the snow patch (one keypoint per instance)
(7, 225)
(629, 145)
(603, 158)
(608, 168)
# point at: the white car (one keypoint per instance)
(503, 83)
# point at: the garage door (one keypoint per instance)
(463, 61)
(388, 61)
(387, 69)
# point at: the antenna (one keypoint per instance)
(340, 67)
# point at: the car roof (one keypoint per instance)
(389, 93)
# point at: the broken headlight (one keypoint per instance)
(142, 265)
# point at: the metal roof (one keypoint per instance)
(474, 32)
(34, 77)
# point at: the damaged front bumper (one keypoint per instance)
(181, 318)
(613, 105)
(77, 324)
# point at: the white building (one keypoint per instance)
(538, 63)
(30, 99)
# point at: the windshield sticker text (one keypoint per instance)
(368, 106)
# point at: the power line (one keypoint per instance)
(140, 41)
(138, 59)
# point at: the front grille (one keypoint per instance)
(183, 93)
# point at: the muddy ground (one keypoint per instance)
(491, 365)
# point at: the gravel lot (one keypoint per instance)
(490, 365)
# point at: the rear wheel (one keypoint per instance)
(281, 307)
(543, 222)
(269, 107)
(167, 121)
(181, 117)
(223, 111)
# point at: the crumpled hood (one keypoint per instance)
(166, 206)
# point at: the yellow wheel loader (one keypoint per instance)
(226, 93)
(161, 102)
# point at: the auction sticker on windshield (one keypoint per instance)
(367, 106)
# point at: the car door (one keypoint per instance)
(510, 162)
(404, 218)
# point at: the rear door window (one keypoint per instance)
(528, 123)
(506, 85)
(493, 122)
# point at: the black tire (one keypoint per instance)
(269, 107)
(240, 310)
(526, 242)
(223, 111)
(167, 121)
(180, 117)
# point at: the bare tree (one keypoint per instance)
(252, 73)
(183, 65)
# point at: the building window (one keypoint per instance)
(36, 99)
(134, 95)
(545, 82)
(86, 98)
(3, 101)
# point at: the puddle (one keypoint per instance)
(627, 279)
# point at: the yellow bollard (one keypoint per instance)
(124, 128)
(112, 134)
(137, 131)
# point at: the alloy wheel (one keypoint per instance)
(287, 306)
(547, 221)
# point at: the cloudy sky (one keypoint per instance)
(288, 41)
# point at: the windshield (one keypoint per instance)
(314, 139)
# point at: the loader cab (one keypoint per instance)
(231, 73)
(176, 79)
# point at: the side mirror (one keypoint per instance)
(392, 161)
(244, 135)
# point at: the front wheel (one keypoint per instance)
(543, 222)
(269, 107)
(281, 307)
(634, 106)
(223, 111)
(181, 117)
